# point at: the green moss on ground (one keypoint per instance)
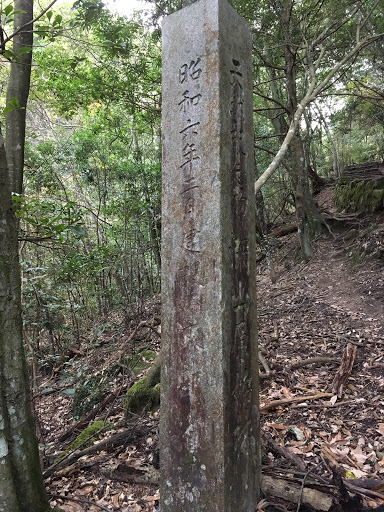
(142, 396)
(140, 362)
(87, 437)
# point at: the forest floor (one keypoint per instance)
(328, 308)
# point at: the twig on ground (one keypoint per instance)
(281, 450)
(312, 360)
(77, 500)
(365, 492)
(285, 401)
(302, 489)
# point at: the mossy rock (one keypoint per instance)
(360, 195)
(145, 393)
(141, 397)
(87, 437)
(140, 362)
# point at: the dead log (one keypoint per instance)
(124, 437)
(292, 490)
(345, 369)
(284, 230)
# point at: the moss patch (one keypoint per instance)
(360, 195)
(139, 362)
(87, 437)
(142, 396)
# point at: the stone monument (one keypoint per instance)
(209, 431)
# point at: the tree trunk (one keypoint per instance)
(305, 207)
(21, 482)
(332, 145)
(18, 87)
(263, 229)
(300, 197)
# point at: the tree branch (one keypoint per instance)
(20, 29)
(312, 92)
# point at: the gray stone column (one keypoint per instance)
(209, 430)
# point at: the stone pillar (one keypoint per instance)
(209, 432)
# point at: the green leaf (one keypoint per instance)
(12, 104)
(8, 54)
(24, 49)
(8, 9)
(78, 230)
(69, 391)
(49, 14)
(58, 19)
(45, 391)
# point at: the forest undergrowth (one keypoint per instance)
(321, 329)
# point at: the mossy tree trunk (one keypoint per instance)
(21, 482)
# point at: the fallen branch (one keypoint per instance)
(100, 407)
(126, 436)
(263, 361)
(285, 401)
(312, 360)
(331, 406)
(284, 230)
(281, 450)
(78, 500)
(363, 491)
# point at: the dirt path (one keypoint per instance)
(358, 288)
(316, 309)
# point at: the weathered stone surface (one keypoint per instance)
(209, 414)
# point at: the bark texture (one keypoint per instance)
(21, 483)
(18, 87)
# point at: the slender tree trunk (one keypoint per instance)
(300, 197)
(18, 87)
(21, 482)
(303, 198)
(332, 145)
(263, 226)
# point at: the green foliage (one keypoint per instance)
(92, 201)
(46, 219)
(7, 14)
(12, 104)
